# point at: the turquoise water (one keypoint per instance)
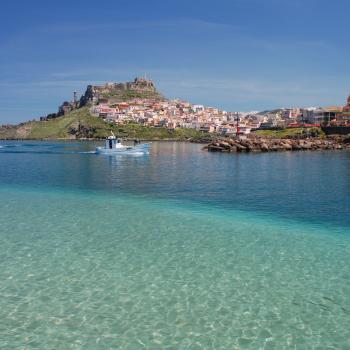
(180, 249)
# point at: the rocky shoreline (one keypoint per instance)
(263, 144)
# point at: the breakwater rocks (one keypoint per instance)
(259, 144)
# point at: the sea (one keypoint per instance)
(178, 249)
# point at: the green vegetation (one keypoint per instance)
(273, 111)
(127, 95)
(134, 130)
(81, 124)
(54, 128)
(290, 132)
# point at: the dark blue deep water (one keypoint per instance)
(310, 186)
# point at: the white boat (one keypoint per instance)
(114, 145)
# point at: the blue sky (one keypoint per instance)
(234, 54)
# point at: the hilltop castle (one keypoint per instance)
(118, 92)
(109, 93)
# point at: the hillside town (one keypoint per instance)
(139, 102)
(176, 113)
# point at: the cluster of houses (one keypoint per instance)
(312, 116)
(170, 114)
(176, 113)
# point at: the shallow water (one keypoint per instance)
(181, 249)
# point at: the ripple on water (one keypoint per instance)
(93, 272)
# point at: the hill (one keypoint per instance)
(80, 124)
(74, 120)
(272, 111)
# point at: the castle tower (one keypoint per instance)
(75, 100)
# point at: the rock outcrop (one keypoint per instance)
(260, 144)
(120, 92)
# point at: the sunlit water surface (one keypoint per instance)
(180, 249)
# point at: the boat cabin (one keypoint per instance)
(112, 142)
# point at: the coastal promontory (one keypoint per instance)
(78, 119)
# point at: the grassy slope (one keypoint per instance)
(288, 132)
(133, 130)
(54, 128)
(59, 129)
(130, 94)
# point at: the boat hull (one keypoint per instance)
(139, 149)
